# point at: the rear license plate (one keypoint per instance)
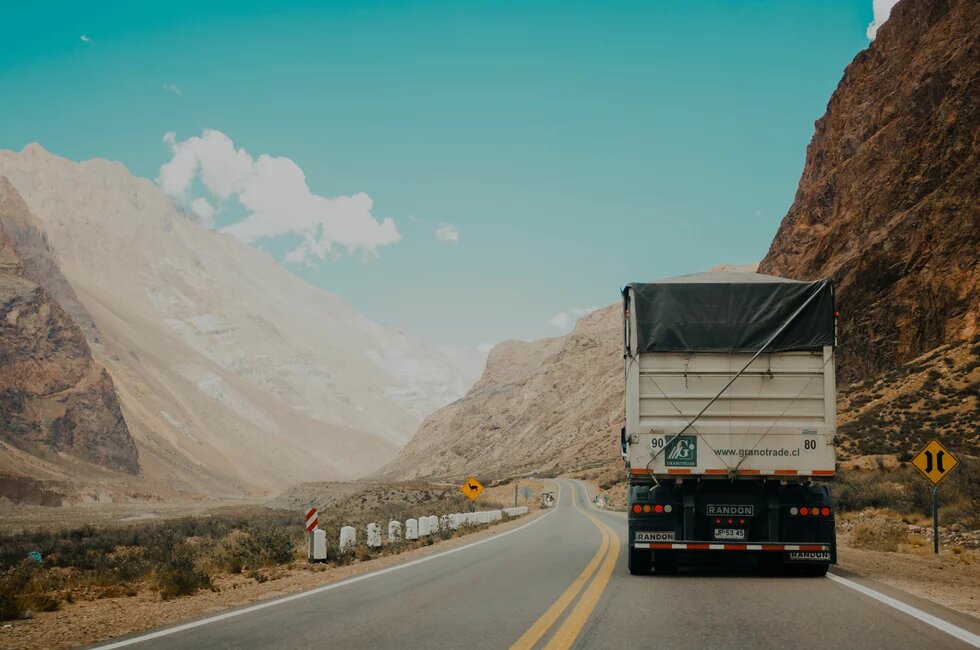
(653, 536)
(729, 533)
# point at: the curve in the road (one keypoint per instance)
(565, 636)
(569, 631)
(319, 590)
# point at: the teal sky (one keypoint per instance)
(575, 146)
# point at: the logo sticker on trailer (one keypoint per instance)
(730, 510)
(654, 536)
(818, 556)
(682, 451)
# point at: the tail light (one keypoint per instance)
(815, 511)
(658, 508)
(638, 508)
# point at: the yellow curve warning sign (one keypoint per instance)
(935, 461)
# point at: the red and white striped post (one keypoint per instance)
(317, 537)
(312, 520)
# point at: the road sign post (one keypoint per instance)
(526, 492)
(935, 462)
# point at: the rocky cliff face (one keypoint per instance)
(888, 201)
(548, 405)
(54, 398)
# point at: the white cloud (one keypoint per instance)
(173, 89)
(204, 210)
(274, 192)
(882, 9)
(562, 320)
(85, 38)
(447, 233)
(559, 320)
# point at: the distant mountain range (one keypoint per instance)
(232, 374)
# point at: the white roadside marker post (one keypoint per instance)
(412, 529)
(374, 536)
(394, 532)
(348, 538)
(317, 546)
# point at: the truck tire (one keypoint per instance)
(639, 562)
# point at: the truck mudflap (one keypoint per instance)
(725, 546)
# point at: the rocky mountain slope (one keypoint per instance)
(233, 374)
(888, 201)
(888, 418)
(546, 405)
(54, 398)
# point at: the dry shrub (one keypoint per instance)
(23, 589)
(175, 573)
(880, 535)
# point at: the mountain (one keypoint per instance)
(55, 400)
(232, 373)
(887, 205)
(888, 201)
(546, 405)
(549, 405)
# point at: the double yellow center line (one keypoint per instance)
(598, 570)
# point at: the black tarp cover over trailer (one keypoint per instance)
(730, 312)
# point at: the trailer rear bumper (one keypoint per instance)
(726, 546)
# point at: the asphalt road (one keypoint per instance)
(561, 581)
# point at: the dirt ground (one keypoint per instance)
(84, 622)
(504, 494)
(951, 578)
(948, 579)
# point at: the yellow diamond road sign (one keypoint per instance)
(472, 488)
(935, 461)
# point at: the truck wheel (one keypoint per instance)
(639, 562)
(815, 570)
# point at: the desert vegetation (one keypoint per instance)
(896, 413)
(41, 569)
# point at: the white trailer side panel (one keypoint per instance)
(776, 419)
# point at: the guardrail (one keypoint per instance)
(415, 529)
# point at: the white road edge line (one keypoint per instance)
(318, 590)
(953, 630)
(938, 623)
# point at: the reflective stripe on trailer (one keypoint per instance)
(709, 546)
(742, 472)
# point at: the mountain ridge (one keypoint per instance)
(54, 397)
(233, 373)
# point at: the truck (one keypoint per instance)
(730, 427)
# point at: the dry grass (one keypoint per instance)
(897, 412)
(182, 556)
(885, 535)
